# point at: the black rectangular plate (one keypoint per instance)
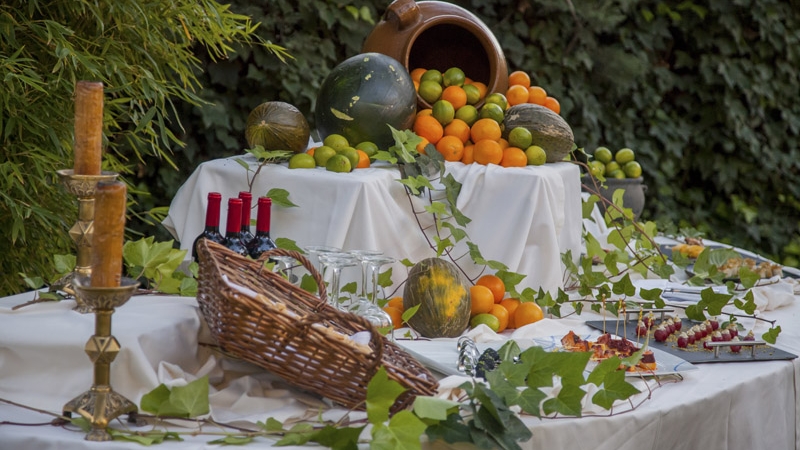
(693, 354)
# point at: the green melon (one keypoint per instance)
(362, 96)
(277, 126)
(548, 130)
(442, 292)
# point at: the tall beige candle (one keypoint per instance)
(109, 233)
(88, 127)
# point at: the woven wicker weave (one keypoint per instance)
(260, 317)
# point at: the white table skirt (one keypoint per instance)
(525, 217)
(725, 406)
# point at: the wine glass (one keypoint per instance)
(285, 264)
(362, 256)
(317, 250)
(374, 264)
(336, 261)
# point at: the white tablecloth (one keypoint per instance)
(724, 406)
(525, 217)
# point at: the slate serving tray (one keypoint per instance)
(693, 354)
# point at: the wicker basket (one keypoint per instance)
(260, 317)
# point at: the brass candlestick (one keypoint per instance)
(83, 187)
(100, 404)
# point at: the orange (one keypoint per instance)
(503, 143)
(519, 78)
(416, 85)
(459, 129)
(514, 157)
(421, 146)
(451, 148)
(526, 313)
(485, 129)
(429, 128)
(455, 95)
(494, 283)
(396, 315)
(481, 300)
(482, 88)
(425, 112)
(469, 154)
(396, 302)
(552, 104)
(510, 304)
(311, 151)
(487, 151)
(416, 74)
(501, 313)
(363, 159)
(517, 94)
(536, 95)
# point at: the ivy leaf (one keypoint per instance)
(272, 425)
(403, 432)
(233, 440)
(593, 247)
(713, 301)
(152, 401)
(747, 277)
(64, 263)
(287, 244)
(280, 197)
(457, 233)
(433, 408)
(624, 286)
(747, 303)
(650, 294)
(568, 401)
(614, 387)
(299, 434)
(771, 335)
(405, 144)
(338, 438)
(385, 278)
(308, 284)
(381, 395)
(409, 313)
(182, 401)
(416, 184)
(451, 430)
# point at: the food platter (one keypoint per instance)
(755, 260)
(441, 355)
(694, 355)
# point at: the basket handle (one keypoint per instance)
(323, 296)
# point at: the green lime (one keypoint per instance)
(339, 163)
(453, 77)
(430, 91)
(352, 155)
(520, 137)
(632, 169)
(536, 155)
(302, 161)
(597, 168)
(473, 93)
(322, 154)
(612, 166)
(468, 114)
(624, 155)
(487, 319)
(431, 75)
(499, 99)
(335, 141)
(443, 111)
(368, 147)
(617, 173)
(603, 155)
(492, 111)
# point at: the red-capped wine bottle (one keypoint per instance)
(262, 242)
(211, 230)
(233, 227)
(247, 203)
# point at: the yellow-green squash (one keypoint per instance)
(442, 292)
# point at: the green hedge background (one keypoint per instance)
(705, 92)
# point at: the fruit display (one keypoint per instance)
(440, 289)
(619, 164)
(460, 131)
(277, 126)
(489, 306)
(364, 94)
(336, 154)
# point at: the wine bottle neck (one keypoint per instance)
(234, 223)
(212, 210)
(264, 216)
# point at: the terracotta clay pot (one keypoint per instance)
(439, 35)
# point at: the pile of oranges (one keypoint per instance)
(491, 307)
(462, 132)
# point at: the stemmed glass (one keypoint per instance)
(374, 264)
(285, 266)
(336, 261)
(368, 308)
(363, 257)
